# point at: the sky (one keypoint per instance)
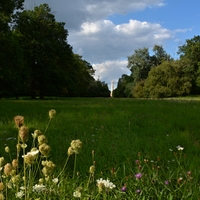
(105, 33)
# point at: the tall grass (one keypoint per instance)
(125, 137)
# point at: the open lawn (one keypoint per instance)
(148, 148)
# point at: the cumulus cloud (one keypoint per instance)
(101, 42)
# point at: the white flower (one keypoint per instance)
(55, 180)
(180, 148)
(106, 183)
(77, 194)
(19, 194)
(39, 188)
(32, 153)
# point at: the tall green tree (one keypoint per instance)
(168, 79)
(140, 64)
(47, 53)
(7, 8)
(191, 51)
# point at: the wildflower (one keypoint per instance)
(29, 159)
(166, 182)
(70, 151)
(180, 180)
(77, 194)
(39, 188)
(180, 148)
(19, 194)
(44, 149)
(76, 145)
(1, 186)
(55, 180)
(15, 163)
(52, 113)
(138, 191)
(137, 162)
(42, 139)
(7, 149)
(23, 146)
(36, 133)
(138, 176)
(19, 121)
(23, 133)
(1, 196)
(123, 189)
(1, 161)
(48, 167)
(16, 179)
(8, 169)
(92, 169)
(189, 173)
(106, 183)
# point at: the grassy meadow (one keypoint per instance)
(149, 149)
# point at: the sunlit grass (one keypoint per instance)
(120, 138)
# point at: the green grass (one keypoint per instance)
(116, 129)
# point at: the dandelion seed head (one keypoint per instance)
(19, 121)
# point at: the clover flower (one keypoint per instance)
(105, 183)
(166, 182)
(180, 148)
(19, 194)
(77, 193)
(123, 189)
(38, 188)
(137, 191)
(138, 176)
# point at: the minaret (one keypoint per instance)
(112, 88)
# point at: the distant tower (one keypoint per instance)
(112, 88)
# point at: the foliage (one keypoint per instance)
(191, 51)
(168, 79)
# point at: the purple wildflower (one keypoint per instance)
(166, 182)
(123, 189)
(138, 176)
(138, 191)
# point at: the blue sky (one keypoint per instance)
(105, 33)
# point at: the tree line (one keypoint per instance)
(159, 75)
(36, 59)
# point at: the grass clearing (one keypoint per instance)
(127, 137)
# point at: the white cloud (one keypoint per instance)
(111, 70)
(103, 40)
(100, 41)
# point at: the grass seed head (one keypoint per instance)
(1, 161)
(23, 133)
(19, 121)
(15, 163)
(8, 169)
(42, 139)
(52, 113)
(44, 149)
(1, 186)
